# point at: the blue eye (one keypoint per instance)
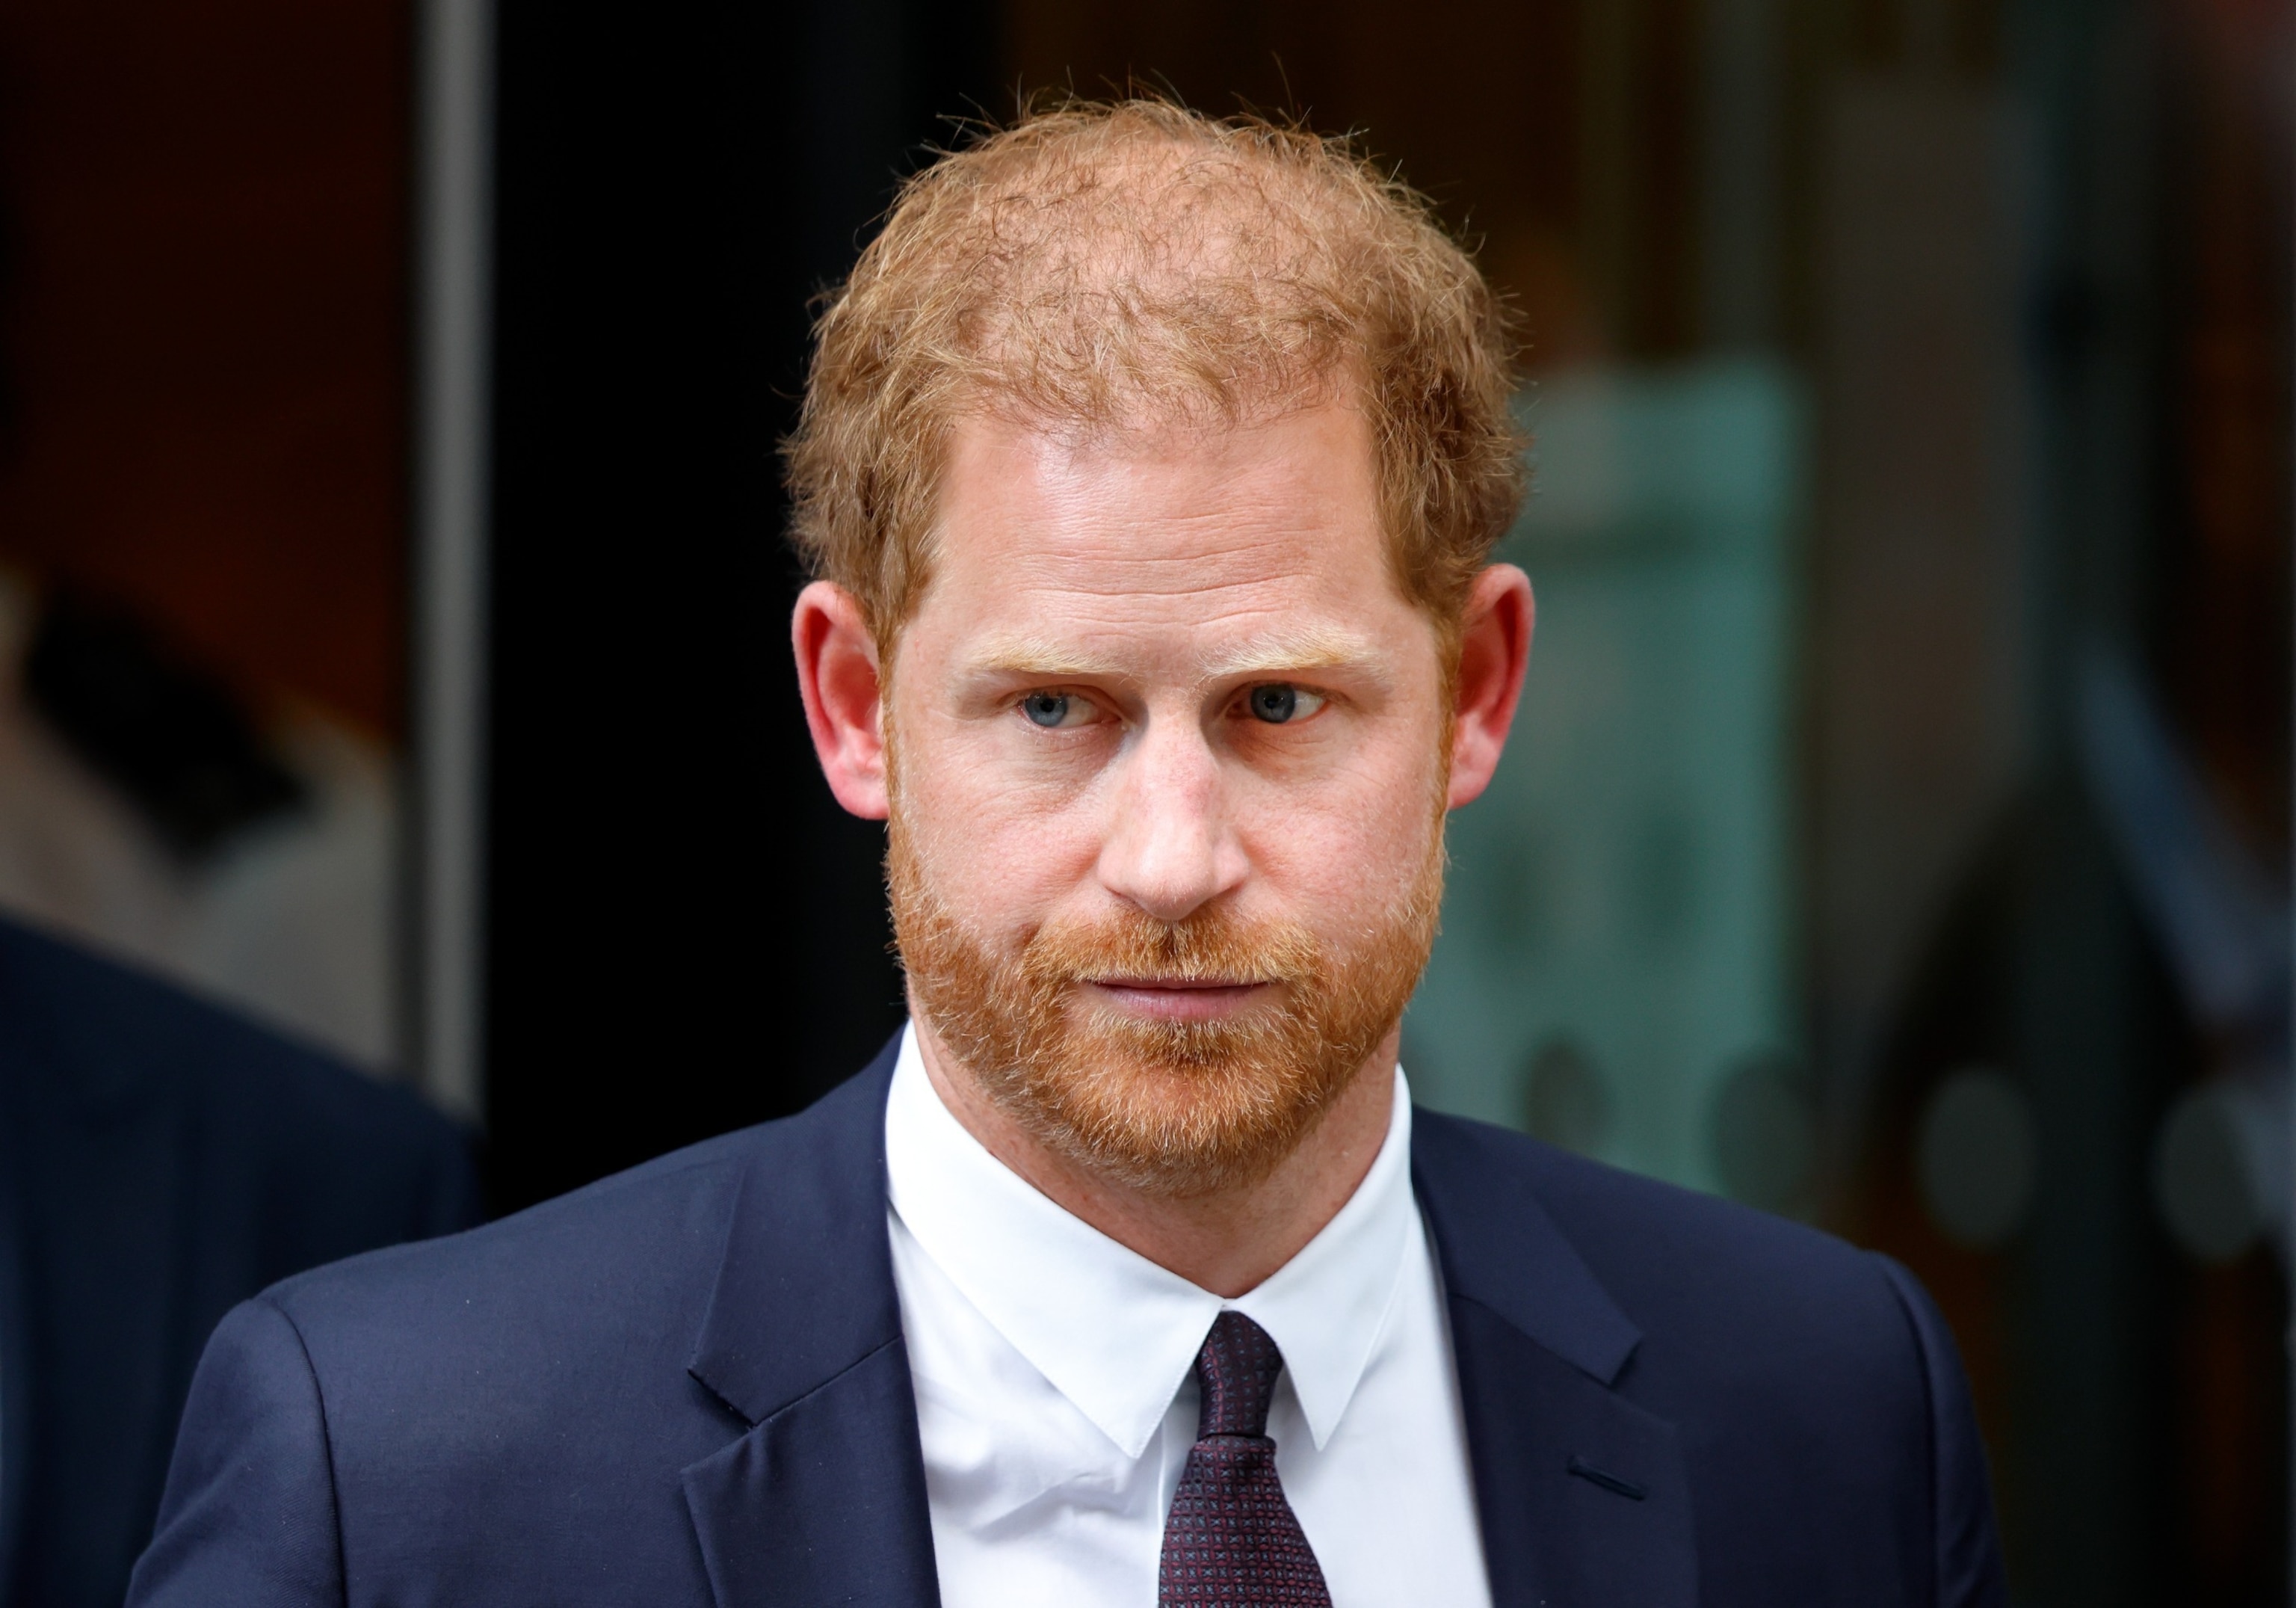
(1046, 708)
(1276, 702)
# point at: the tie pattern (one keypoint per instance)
(1232, 1540)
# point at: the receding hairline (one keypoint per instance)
(1092, 258)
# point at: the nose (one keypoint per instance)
(1170, 848)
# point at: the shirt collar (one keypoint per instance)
(1112, 1332)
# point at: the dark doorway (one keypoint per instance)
(684, 933)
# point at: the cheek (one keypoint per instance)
(1338, 854)
(995, 846)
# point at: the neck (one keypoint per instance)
(1228, 1241)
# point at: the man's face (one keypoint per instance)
(1168, 758)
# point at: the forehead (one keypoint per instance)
(1200, 538)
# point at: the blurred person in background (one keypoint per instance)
(150, 813)
(196, 803)
(1149, 468)
(160, 1161)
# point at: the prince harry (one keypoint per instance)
(1149, 468)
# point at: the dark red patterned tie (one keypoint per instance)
(1232, 1540)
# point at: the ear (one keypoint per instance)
(837, 674)
(1494, 651)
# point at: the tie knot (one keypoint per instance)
(1237, 1370)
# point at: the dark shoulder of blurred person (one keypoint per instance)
(160, 1161)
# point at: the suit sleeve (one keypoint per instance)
(249, 1518)
(1969, 1571)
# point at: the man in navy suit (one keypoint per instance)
(160, 1161)
(1149, 468)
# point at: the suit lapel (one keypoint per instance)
(823, 1500)
(1581, 1494)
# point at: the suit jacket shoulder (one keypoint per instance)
(520, 1411)
(91, 1041)
(1813, 1409)
(160, 1160)
(1739, 1297)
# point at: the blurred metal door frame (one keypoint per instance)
(442, 946)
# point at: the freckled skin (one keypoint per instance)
(1138, 574)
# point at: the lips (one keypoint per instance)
(1198, 984)
(1175, 999)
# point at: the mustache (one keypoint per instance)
(1212, 947)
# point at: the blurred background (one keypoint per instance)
(1896, 834)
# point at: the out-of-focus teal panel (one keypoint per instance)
(1617, 938)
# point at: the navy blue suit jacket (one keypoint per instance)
(687, 1385)
(160, 1161)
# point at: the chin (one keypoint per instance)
(1177, 1108)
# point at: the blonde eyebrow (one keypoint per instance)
(1282, 653)
(1272, 657)
(1005, 654)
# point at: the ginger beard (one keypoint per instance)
(1172, 1108)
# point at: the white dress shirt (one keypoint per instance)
(1056, 1400)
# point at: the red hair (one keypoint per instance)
(1100, 266)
